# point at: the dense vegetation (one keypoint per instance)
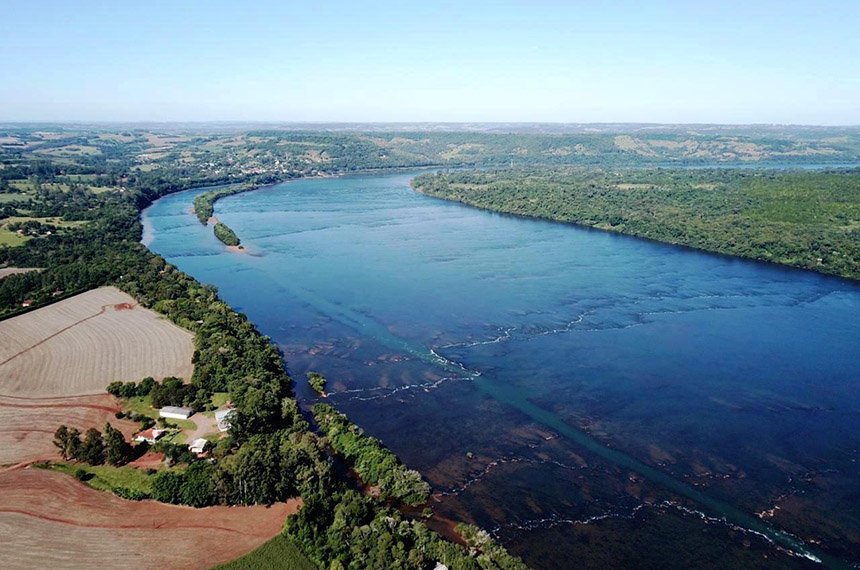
(225, 234)
(95, 448)
(317, 381)
(204, 204)
(804, 219)
(375, 465)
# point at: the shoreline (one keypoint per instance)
(623, 234)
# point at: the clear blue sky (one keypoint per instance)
(746, 61)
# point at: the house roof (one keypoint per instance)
(199, 442)
(223, 418)
(150, 433)
(176, 410)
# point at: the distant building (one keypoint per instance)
(440, 566)
(57, 293)
(197, 445)
(150, 435)
(175, 412)
(223, 418)
(27, 303)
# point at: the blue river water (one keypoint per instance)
(560, 386)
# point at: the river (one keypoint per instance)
(591, 398)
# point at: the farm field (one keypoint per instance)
(50, 520)
(27, 425)
(78, 345)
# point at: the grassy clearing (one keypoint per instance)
(11, 238)
(59, 222)
(12, 198)
(175, 437)
(108, 477)
(219, 399)
(280, 553)
(143, 405)
(23, 185)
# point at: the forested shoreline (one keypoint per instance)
(809, 220)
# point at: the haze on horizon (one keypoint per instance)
(731, 62)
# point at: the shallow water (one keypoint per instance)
(541, 374)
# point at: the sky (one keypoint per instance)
(753, 61)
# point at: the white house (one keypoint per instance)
(197, 445)
(223, 419)
(175, 412)
(150, 435)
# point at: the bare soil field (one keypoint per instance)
(27, 425)
(50, 520)
(79, 345)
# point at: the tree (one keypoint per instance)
(128, 390)
(145, 386)
(118, 449)
(167, 487)
(68, 441)
(317, 382)
(92, 449)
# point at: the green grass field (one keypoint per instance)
(220, 398)
(11, 198)
(11, 238)
(280, 553)
(107, 477)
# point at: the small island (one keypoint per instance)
(317, 382)
(204, 209)
(226, 234)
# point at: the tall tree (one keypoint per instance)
(117, 448)
(93, 448)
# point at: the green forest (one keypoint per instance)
(809, 220)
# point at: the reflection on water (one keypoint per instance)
(556, 384)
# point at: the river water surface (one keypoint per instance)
(593, 399)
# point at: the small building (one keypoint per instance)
(57, 293)
(198, 445)
(223, 418)
(440, 566)
(27, 303)
(175, 412)
(150, 435)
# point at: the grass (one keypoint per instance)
(12, 239)
(108, 477)
(219, 399)
(55, 221)
(143, 405)
(8, 198)
(176, 437)
(280, 553)
(25, 185)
